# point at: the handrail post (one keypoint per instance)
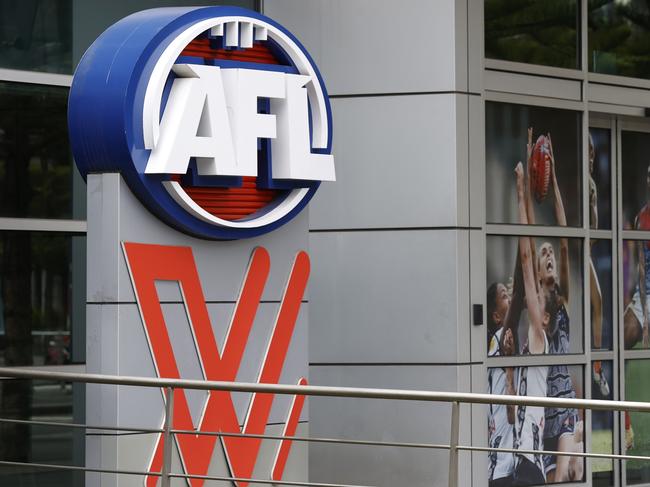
(165, 480)
(453, 444)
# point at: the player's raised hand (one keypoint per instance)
(508, 343)
(519, 173)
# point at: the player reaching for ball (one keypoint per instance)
(563, 429)
(532, 381)
(635, 319)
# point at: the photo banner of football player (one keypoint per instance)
(548, 144)
(635, 164)
(600, 179)
(637, 425)
(560, 289)
(602, 425)
(600, 294)
(532, 429)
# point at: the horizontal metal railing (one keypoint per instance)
(454, 398)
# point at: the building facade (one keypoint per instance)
(411, 248)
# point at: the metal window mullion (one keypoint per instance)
(616, 301)
(624, 81)
(620, 362)
(532, 100)
(534, 69)
(537, 360)
(518, 230)
(635, 235)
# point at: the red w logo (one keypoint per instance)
(151, 263)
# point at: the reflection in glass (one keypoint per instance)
(38, 401)
(619, 36)
(600, 187)
(506, 130)
(600, 290)
(36, 297)
(635, 165)
(637, 425)
(602, 423)
(533, 31)
(36, 35)
(519, 427)
(505, 303)
(636, 292)
(35, 160)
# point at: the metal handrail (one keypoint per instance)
(455, 398)
(327, 391)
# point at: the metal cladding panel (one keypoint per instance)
(385, 296)
(381, 420)
(371, 46)
(117, 342)
(117, 216)
(399, 161)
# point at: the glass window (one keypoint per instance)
(600, 294)
(38, 401)
(36, 297)
(533, 31)
(35, 162)
(95, 16)
(562, 314)
(619, 36)
(556, 142)
(535, 428)
(637, 425)
(635, 147)
(602, 424)
(36, 35)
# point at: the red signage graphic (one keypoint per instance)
(150, 263)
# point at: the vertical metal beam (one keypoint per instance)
(165, 480)
(453, 445)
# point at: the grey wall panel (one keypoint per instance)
(479, 427)
(388, 296)
(378, 46)
(475, 42)
(136, 449)
(477, 294)
(476, 165)
(221, 265)
(382, 420)
(401, 161)
(117, 342)
(131, 356)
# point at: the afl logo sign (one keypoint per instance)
(216, 117)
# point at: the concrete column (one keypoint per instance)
(390, 294)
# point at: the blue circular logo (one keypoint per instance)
(217, 118)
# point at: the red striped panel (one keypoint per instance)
(231, 203)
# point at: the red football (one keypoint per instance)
(540, 168)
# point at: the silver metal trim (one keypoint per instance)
(328, 391)
(43, 225)
(534, 69)
(35, 77)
